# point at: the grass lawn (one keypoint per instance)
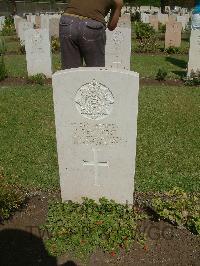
(145, 65)
(28, 147)
(168, 152)
(168, 143)
(13, 46)
(148, 65)
(16, 64)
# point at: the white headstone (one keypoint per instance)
(184, 21)
(163, 18)
(44, 21)
(96, 126)
(194, 53)
(145, 17)
(167, 9)
(18, 19)
(28, 17)
(22, 28)
(155, 9)
(2, 22)
(38, 52)
(145, 8)
(153, 20)
(32, 19)
(54, 26)
(173, 34)
(123, 10)
(172, 18)
(118, 46)
(177, 9)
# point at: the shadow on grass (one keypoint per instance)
(18, 247)
(181, 74)
(177, 62)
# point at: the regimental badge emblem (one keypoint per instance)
(94, 101)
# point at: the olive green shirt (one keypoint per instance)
(94, 9)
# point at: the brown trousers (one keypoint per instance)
(81, 39)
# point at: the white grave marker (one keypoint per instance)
(194, 53)
(17, 20)
(22, 28)
(184, 21)
(145, 17)
(44, 21)
(163, 18)
(2, 22)
(54, 26)
(96, 126)
(173, 34)
(118, 46)
(38, 52)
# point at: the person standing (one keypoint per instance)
(82, 31)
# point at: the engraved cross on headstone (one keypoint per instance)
(96, 165)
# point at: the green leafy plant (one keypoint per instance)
(193, 79)
(143, 31)
(146, 37)
(161, 27)
(81, 228)
(176, 50)
(172, 50)
(37, 79)
(11, 198)
(55, 45)
(161, 74)
(179, 208)
(8, 28)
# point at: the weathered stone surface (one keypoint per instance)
(153, 20)
(173, 34)
(194, 53)
(118, 46)
(37, 21)
(38, 52)
(44, 21)
(23, 26)
(163, 18)
(2, 22)
(96, 125)
(54, 26)
(183, 20)
(145, 17)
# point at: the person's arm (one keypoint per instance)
(115, 14)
